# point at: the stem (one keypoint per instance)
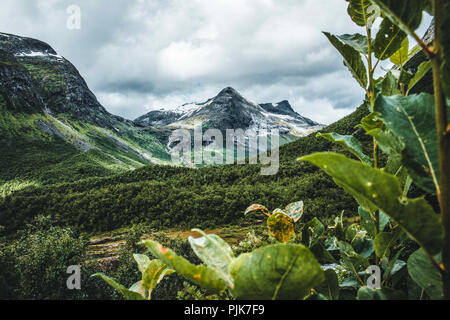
(372, 107)
(444, 146)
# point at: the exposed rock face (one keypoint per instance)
(230, 110)
(17, 88)
(157, 118)
(285, 108)
(61, 86)
(34, 79)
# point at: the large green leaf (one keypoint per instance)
(407, 14)
(412, 120)
(201, 275)
(128, 294)
(425, 274)
(359, 11)
(350, 143)
(215, 253)
(382, 190)
(352, 59)
(388, 40)
(356, 41)
(281, 271)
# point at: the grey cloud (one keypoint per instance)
(138, 55)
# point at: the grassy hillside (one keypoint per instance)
(165, 196)
(30, 156)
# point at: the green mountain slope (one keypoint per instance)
(53, 129)
(167, 196)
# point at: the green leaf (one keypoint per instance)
(405, 77)
(330, 287)
(351, 232)
(295, 210)
(382, 190)
(153, 275)
(362, 245)
(366, 293)
(352, 59)
(142, 261)
(359, 11)
(338, 228)
(422, 71)
(215, 253)
(412, 120)
(126, 293)
(350, 143)
(322, 254)
(401, 56)
(406, 14)
(257, 208)
(138, 287)
(384, 241)
(368, 221)
(201, 275)
(280, 226)
(394, 265)
(350, 282)
(425, 274)
(356, 41)
(389, 85)
(281, 271)
(388, 40)
(350, 258)
(312, 232)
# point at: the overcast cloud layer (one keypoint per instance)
(140, 55)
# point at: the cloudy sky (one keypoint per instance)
(140, 55)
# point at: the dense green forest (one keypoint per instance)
(165, 196)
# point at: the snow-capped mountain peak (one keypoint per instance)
(230, 110)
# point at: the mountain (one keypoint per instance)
(49, 119)
(53, 128)
(230, 110)
(44, 98)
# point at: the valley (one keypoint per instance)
(82, 187)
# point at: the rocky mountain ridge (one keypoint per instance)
(230, 110)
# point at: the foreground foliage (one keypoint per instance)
(403, 128)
